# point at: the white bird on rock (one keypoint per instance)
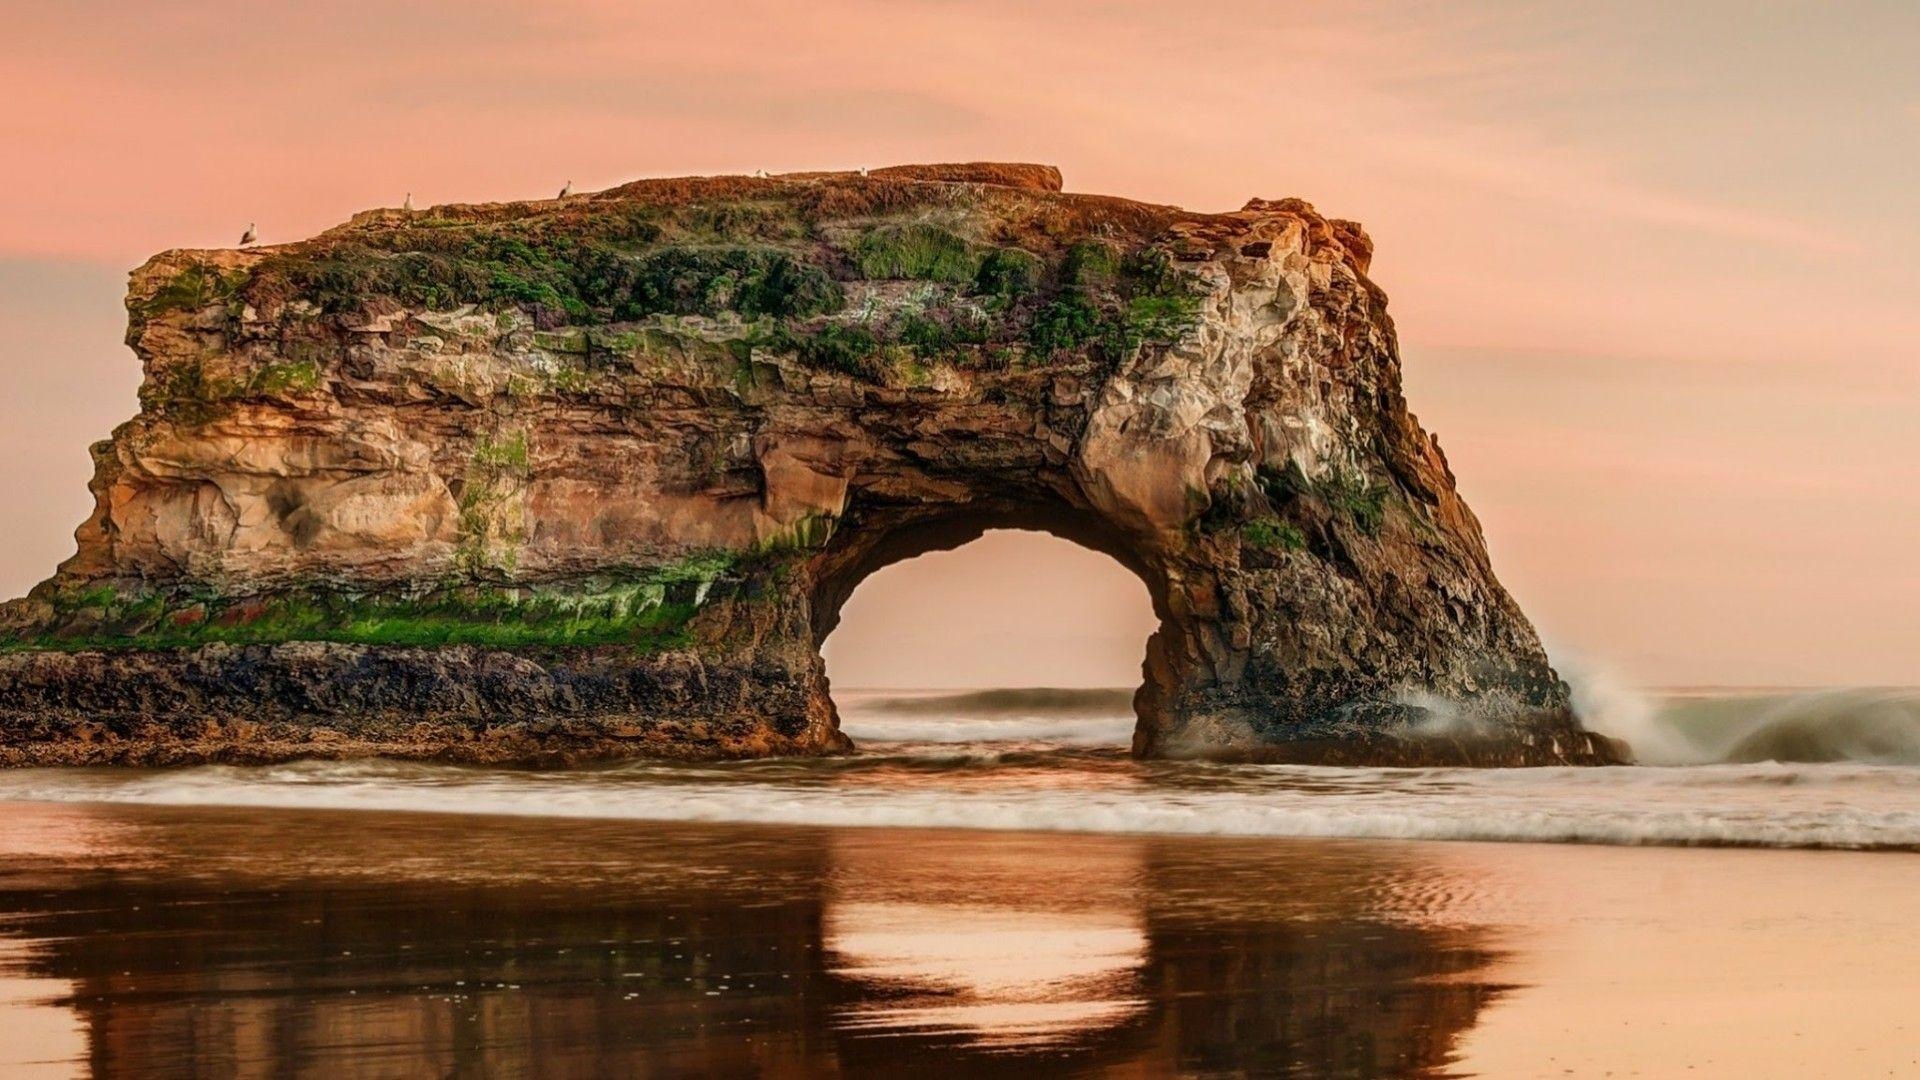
(408, 205)
(863, 170)
(566, 190)
(249, 236)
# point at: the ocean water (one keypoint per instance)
(1781, 769)
(993, 886)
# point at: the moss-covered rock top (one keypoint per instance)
(978, 265)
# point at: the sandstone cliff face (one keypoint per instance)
(628, 453)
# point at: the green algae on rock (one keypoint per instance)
(601, 471)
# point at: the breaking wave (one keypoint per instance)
(1876, 726)
(1101, 701)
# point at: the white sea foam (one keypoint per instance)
(1022, 768)
(1756, 805)
(1606, 703)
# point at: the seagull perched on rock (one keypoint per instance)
(565, 190)
(408, 205)
(759, 174)
(249, 236)
(863, 170)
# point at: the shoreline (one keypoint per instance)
(1010, 789)
(930, 831)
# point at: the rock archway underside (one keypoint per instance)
(592, 477)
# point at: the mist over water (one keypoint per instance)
(1833, 769)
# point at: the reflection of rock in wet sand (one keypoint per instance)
(246, 943)
(1000, 977)
(1166, 953)
(1021, 943)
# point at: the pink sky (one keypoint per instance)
(1654, 270)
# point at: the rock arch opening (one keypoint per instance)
(1004, 624)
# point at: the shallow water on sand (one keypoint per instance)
(1055, 908)
(168, 941)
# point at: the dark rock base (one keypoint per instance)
(267, 703)
(1393, 751)
(258, 704)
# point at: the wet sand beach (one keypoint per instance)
(206, 941)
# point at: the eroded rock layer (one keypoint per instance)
(589, 477)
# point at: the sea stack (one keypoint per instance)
(561, 480)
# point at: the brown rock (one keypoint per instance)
(1221, 412)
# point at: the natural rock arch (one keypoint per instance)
(853, 557)
(594, 476)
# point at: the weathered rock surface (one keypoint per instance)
(260, 703)
(545, 481)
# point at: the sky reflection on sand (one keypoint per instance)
(1016, 967)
